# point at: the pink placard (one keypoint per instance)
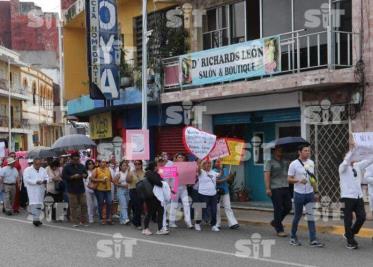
(220, 150)
(23, 163)
(170, 175)
(187, 172)
(137, 145)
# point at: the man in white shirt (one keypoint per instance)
(35, 178)
(299, 174)
(352, 197)
(10, 178)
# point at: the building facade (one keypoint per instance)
(319, 84)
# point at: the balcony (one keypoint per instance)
(305, 60)
(15, 92)
(21, 124)
(73, 11)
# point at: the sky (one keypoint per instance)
(46, 5)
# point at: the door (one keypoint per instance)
(258, 135)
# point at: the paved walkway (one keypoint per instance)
(247, 214)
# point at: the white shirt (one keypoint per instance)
(299, 173)
(122, 177)
(35, 192)
(350, 184)
(163, 194)
(207, 183)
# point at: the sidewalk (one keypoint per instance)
(264, 215)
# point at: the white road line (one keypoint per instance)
(162, 243)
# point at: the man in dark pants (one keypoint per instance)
(352, 197)
(277, 188)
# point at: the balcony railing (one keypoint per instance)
(299, 51)
(16, 123)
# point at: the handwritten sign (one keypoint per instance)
(170, 175)
(198, 142)
(187, 172)
(137, 145)
(363, 139)
(236, 149)
(2, 150)
(220, 150)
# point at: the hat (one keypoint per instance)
(29, 161)
(10, 160)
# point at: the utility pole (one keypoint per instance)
(9, 110)
(144, 65)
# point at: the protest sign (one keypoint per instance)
(170, 175)
(220, 150)
(236, 148)
(363, 139)
(198, 142)
(137, 145)
(187, 172)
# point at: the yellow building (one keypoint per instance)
(10, 74)
(74, 41)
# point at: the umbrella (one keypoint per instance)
(41, 152)
(291, 142)
(73, 142)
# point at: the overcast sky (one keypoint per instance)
(47, 5)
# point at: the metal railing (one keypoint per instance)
(299, 51)
(16, 123)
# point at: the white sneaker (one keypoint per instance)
(215, 229)
(189, 226)
(146, 232)
(162, 232)
(173, 225)
(126, 222)
(76, 225)
(197, 227)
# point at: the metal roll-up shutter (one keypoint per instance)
(170, 139)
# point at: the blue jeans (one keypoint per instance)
(211, 207)
(104, 198)
(123, 197)
(300, 201)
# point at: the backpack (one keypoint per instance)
(144, 189)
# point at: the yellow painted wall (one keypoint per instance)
(75, 60)
(75, 52)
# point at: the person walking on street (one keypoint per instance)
(10, 177)
(35, 178)
(182, 194)
(224, 197)
(102, 176)
(89, 192)
(120, 181)
(73, 174)
(300, 172)
(277, 188)
(136, 202)
(352, 197)
(55, 185)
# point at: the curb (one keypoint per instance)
(332, 230)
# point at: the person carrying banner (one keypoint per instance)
(182, 194)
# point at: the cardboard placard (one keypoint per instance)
(198, 142)
(170, 175)
(220, 150)
(187, 172)
(137, 145)
(236, 149)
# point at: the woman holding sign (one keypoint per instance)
(182, 194)
(207, 194)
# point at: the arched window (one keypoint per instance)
(34, 93)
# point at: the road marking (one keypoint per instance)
(163, 243)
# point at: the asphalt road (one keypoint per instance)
(58, 244)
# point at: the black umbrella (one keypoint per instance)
(73, 142)
(291, 142)
(41, 152)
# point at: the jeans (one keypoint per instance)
(154, 208)
(226, 201)
(78, 208)
(281, 200)
(300, 201)
(211, 207)
(105, 200)
(9, 197)
(57, 198)
(136, 206)
(123, 197)
(35, 210)
(182, 194)
(91, 205)
(350, 206)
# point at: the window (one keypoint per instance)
(34, 93)
(238, 27)
(276, 17)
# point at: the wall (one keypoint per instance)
(5, 25)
